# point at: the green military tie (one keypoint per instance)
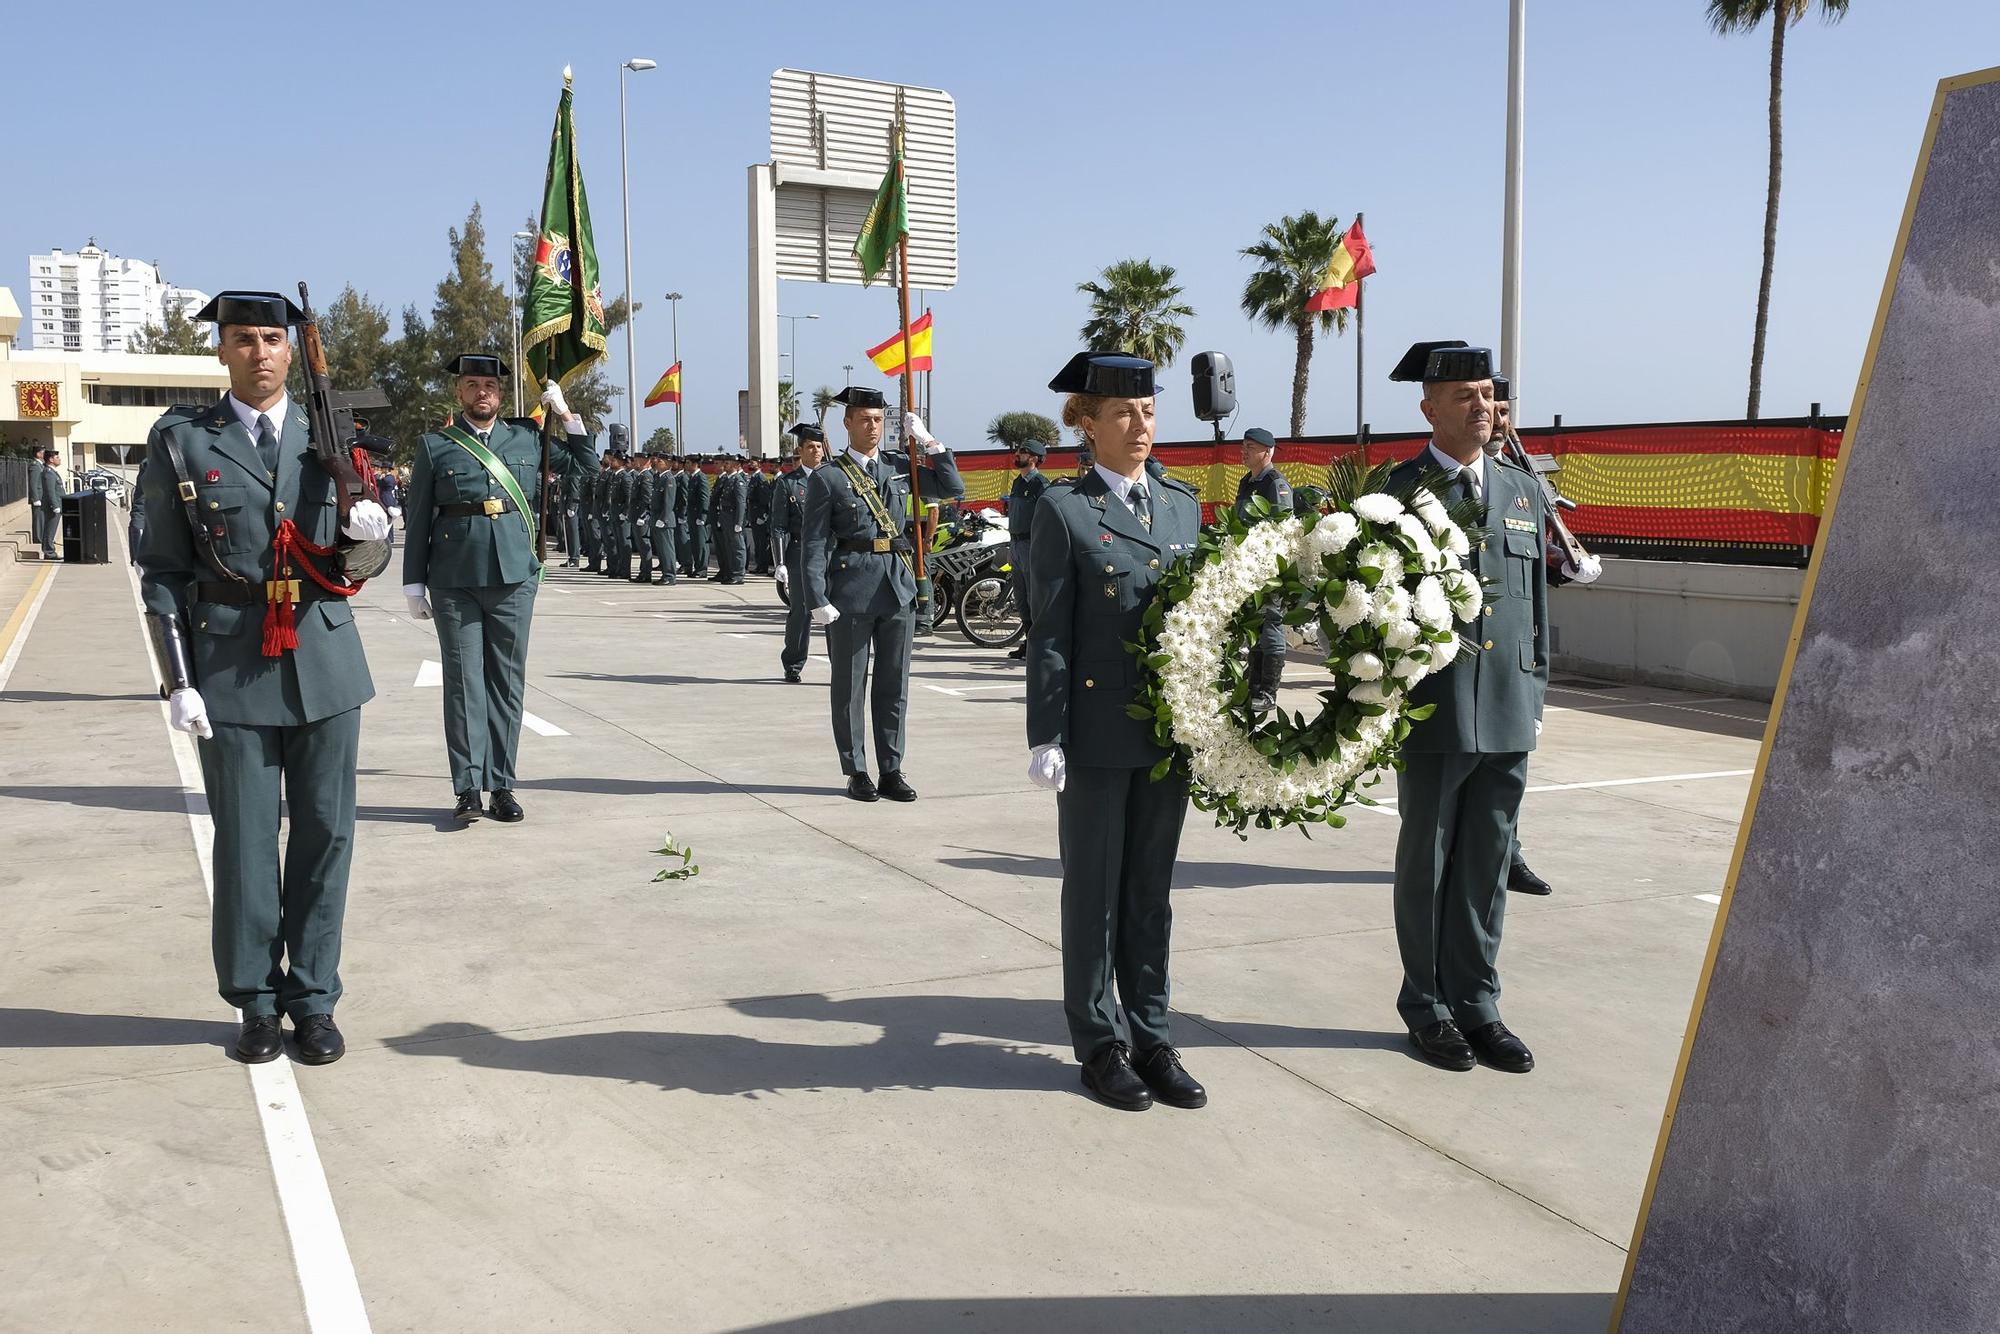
(267, 445)
(1142, 506)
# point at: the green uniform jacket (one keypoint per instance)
(640, 503)
(478, 550)
(52, 496)
(1022, 498)
(241, 505)
(867, 582)
(1093, 568)
(1488, 702)
(666, 493)
(729, 508)
(788, 510)
(600, 493)
(1271, 485)
(704, 486)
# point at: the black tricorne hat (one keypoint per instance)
(1107, 374)
(860, 396)
(1257, 435)
(1439, 362)
(263, 310)
(1503, 389)
(478, 363)
(807, 431)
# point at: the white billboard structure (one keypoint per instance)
(829, 152)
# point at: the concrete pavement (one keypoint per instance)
(825, 1085)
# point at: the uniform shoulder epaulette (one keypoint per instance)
(1506, 462)
(180, 412)
(526, 423)
(1178, 484)
(1063, 484)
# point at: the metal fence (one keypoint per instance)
(13, 479)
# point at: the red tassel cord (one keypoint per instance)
(289, 547)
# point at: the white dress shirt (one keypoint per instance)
(1121, 486)
(248, 415)
(1473, 473)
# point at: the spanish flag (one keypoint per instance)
(888, 357)
(668, 390)
(1353, 260)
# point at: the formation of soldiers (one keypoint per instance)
(656, 517)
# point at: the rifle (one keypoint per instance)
(332, 439)
(1541, 466)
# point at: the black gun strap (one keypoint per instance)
(184, 488)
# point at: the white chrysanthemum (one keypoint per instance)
(1455, 541)
(1377, 507)
(1352, 608)
(1411, 667)
(1391, 603)
(1402, 636)
(1375, 692)
(1428, 556)
(1365, 667)
(1379, 556)
(1442, 654)
(1335, 531)
(1430, 605)
(1463, 591)
(1431, 510)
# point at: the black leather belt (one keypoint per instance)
(878, 546)
(254, 595)
(501, 505)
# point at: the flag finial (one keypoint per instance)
(566, 77)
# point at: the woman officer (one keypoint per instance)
(1100, 545)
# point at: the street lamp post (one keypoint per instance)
(674, 305)
(516, 321)
(636, 65)
(850, 375)
(795, 343)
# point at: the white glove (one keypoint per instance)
(659, 523)
(1587, 573)
(781, 574)
(187, 713)
(913, 427)
(1047, 767)
(826, 615)
(419, 599)
(739, 527)
(367, 522)
(1538, 728)
(553, 400)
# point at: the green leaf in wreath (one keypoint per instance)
(1161, 769)
(1421, 712)
(1139, 711)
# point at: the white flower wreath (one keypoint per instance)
(1384, 581)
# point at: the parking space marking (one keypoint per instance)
(1384, 804)
(15, 633)
(540, 725)
(1710, 898)
(429, 673)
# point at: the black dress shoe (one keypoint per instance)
(860, 787)
(504, 808)
(1109, 1075)
(1520, 880)
(319, 1041)
(468, 808)
(1018, 652)
(795, 674)
(1444, 1046)
(897, 788)
(1161, 1068)
(260, 1040)
(1501, 1049)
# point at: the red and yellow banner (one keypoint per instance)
(667, 389)
(38, 399)
(1741, 486)
(888, 357)
(1353, 260)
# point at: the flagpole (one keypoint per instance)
(1510, 226)
(1360, 386)
(916, 482)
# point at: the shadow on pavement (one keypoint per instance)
(113, 798)
(728, 1065)
(1233, 1313)
(1187, 874)
(658, 680)
(57, 1028)
(69, 697)
(635, 787)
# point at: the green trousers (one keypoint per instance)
(1119, 832)
(1458, 812)
(848, 642)
(483, 639)
(798, 619)
(275, 928)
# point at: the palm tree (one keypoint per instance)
(1014, 429)
(822, 402)
(788, 403)
(1291, 267)
(1733, 16)
(1135, 309)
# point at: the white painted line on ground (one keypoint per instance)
(1006, 685)
(429, 673)
(47, 576)
(1710, 898)
(941, 690)
(1631, 704)
(331, 1293)
(540, 725)
(1383, 804)
(733, 634)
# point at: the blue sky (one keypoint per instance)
(254, 147)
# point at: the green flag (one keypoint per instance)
(888, 219)
(563, 314)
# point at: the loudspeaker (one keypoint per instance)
(619, 435)
(1214, 386)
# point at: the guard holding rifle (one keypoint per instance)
(1262, 481)
(472, 558)
(1568, 563)
(261, 528)
(788, 548)
(861, 581)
